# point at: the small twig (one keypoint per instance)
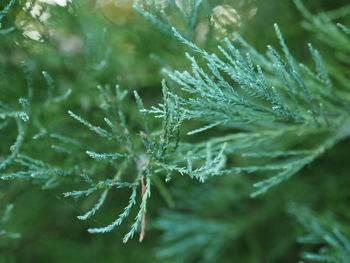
(143, 221)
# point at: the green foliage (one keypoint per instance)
(333, 245)
(3, 13)
(187, 13)
(4, 219)
(269, 106)
(240, 121)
